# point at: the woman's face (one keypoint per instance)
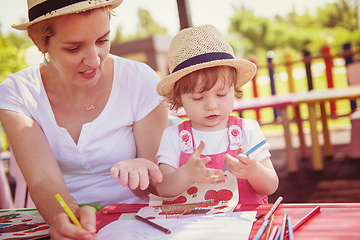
(79, 48)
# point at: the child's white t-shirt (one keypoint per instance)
(215, 142)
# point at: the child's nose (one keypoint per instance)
(211, 105)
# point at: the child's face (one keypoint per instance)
(209, 110)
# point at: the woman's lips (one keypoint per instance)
(89, 73)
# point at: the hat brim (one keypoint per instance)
(74, 8)
(245, 71)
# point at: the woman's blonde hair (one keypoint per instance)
(200, 81)
(41, 32)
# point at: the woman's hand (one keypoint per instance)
(196, 171)
(136, 173)
(243, 167)
(62, 227)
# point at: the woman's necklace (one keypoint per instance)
(86, 106)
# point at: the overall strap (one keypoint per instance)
(235, 130)
(186, 137)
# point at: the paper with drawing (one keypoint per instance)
(17, 225)
(198, 200)
(204, 211)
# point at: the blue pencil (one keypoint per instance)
(283, 227)
(253, 149)
(277, 236)
(256, 147)
(290, 229)
(261, 230)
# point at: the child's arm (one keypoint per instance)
(261, 175)
(176, 181)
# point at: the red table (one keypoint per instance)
(334, 221)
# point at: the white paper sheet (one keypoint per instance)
(234, 225)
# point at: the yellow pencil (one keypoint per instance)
(68, 211)
(269, 227)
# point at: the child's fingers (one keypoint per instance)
(202, 161)
(199, 150)
(241, 150)
(217, 179)
(245, 160)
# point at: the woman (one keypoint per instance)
(82, 111)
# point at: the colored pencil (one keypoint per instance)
(306, 218)
(278, 234)
(68, 210)
(283, 227)
(167, 231)
(258, 216)
(273, 233)
(120, 211)
(268, 229)
(273, 208)
(261, 230)
(290, 229)
(253, 149)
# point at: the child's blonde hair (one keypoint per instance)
(200, 81)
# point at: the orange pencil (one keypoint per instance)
(268, 230)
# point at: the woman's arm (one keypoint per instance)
(43, 176)
(137, 172)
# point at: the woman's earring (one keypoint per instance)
(46, 63)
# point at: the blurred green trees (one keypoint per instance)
(147, 27)
(12, 49)
(334, 25)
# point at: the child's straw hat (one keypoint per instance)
(39, 10)
(202, 47)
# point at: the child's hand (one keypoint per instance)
(196, 171)
(244, 167)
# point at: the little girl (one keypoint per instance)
(204, 79)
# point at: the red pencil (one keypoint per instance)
(304, 219)
(120, 211)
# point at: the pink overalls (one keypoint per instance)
(247, 195)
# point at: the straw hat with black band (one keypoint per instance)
(202, 47)
(39, 10)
